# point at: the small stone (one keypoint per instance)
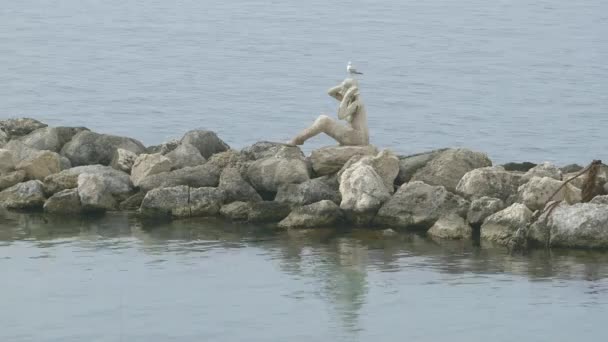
(147, 165)
(64, 202)
(451, 226)
(321, 214)
(185, 155)
(123, 160)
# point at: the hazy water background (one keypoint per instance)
(519, 79)
(121, 279)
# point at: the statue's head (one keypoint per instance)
(349, 82)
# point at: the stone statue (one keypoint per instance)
(351, 110)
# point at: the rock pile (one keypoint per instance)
(448, 193)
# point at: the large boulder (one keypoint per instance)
(117, 182)
(172, 201)
(205, 175)
(163, 148)
(309, 192)
(205, 201)
(447, 168)
(321, 214)
(363, 192)
(236, 211)
(230, 158)
(149, 164)
(545, 169)
(207, 142)
(489, 182)
(286, 167)
(267, 212)
(408, 165)
(41, 165)
(94, 193)
(502, 226)
(328, 160)
(537, 192)
(262, 149)
(236, 188)
(600, 199)
(12, 178)
(185, 155)
(28, 195)
(87, 148)
(582, 225)
(385, 163)
(19, 127)
(451, 226)
(483, 207)
(50, 138)
(418, 205)
(7, 161)
(123, 160)
(63, 202)
(22, 152)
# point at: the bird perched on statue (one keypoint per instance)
(351, 70)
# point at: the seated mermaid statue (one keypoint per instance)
(351, 109)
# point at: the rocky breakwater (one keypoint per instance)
(446, 194)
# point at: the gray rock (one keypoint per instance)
(64, 202)
(483, 207)
(363, 192)
(28, 195)
(385, 163)
(603, 199)
(537, 192)
(185, 155)
(7, 161)
(94, 193)
(236, 211)
(570, 168)
(87, 148)
(10, 179)
(3, 137)
(41, 165)
(163, 148)
(19, 127)
(171, 201)
(583, 225)
(408, 165)
(519, 167)
(311, 191)
(22, 152)
(132, 202)
(117, 182)
(123, 160)
(489, 181)
(449, 166)
(328, 160)
(236, 188)
(205, 175)
(267, 212)
(147, 165)
(51, 138)
(262, 149)
(451, 226)
(205, 201)
(286, 167)
(230, 158)
(320, 214)
(206, 142)
(545, 169)
(502, 226)
(418, 205)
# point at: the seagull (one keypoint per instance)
(352, 70)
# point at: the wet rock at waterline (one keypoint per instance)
(27, 195)
(451, 226)
(502, 226)
(320, 214)
(64, 202)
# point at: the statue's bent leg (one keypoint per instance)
(324, 124)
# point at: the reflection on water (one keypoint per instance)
(206, 279)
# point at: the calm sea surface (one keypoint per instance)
(121, 279)
(519, 79)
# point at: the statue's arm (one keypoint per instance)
(335, 92)
(349, 103)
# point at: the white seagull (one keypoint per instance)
(352, 70)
